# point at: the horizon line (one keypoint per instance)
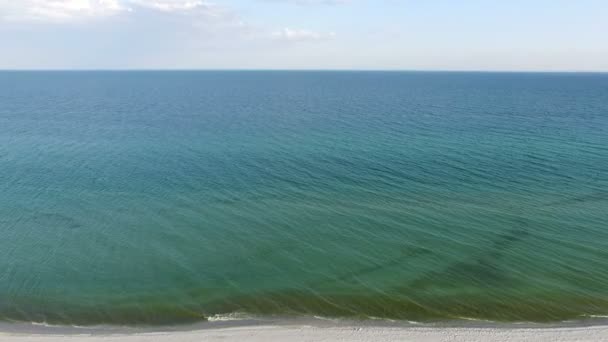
(300, 70)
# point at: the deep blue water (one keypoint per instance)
(168, 197)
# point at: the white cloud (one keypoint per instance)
(169, 5)
(195, 16)
(70, 10)
(57, 10)
(313, 2)
(298, 35)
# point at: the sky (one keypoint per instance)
(501, 35)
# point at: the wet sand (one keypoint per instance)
(346, 333)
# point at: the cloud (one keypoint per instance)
(313, 2)
(194, 16)
(298, 35)
(169, 5)
(71, 10)
(57, 10)
(198, 17)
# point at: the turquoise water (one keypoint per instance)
(171, 197)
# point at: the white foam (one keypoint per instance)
(234, 316)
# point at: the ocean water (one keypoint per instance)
(172, 197)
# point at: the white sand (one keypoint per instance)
(307, 333)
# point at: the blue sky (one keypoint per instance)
(557, 35)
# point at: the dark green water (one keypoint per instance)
(171, 197)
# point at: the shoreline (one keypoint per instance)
(353, 333)
(309, 329)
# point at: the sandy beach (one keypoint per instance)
(311, 333)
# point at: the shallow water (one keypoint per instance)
(168, 197)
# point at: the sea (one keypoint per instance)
(171, 197)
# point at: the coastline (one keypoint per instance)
(311, 333)
(315, 330)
